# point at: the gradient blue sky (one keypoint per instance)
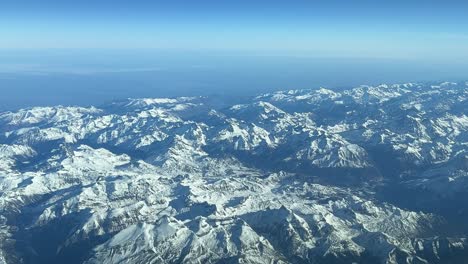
(416, 29)
(91, 51)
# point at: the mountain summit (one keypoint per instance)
(372, 174)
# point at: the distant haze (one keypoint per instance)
(88, 52)
(84, 77)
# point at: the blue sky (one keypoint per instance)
(91, 51)
(415, 29)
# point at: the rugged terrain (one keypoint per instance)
(372, 174)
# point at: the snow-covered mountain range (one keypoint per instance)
(372, 174)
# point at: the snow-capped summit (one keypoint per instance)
(371, 174)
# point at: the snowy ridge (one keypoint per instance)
(372, 174)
